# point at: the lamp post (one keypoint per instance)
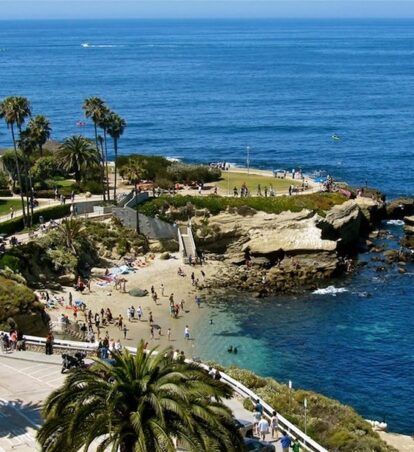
(248, 159)
(305, 404)
(290, 395)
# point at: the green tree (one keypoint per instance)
(40, 130)
(14, 110)
(116, 127)
(77, 155)
(140, 403)
(71, 232)
(45, 168)
(95, 109)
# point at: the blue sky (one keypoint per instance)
(42, 9)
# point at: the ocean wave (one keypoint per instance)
(396, 222)
(330, 290)
(173, 159)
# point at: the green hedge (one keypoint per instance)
(319, 202)
(50, 213)
(5, 192)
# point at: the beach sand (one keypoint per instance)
(157, 273)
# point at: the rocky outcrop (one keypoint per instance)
(269, 253)
(343, 224)
(372, 210)
(408, 240)
(399, 208)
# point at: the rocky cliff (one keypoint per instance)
(286, 252)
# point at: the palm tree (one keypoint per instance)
(14, 110)
(40, 129)
(70, 231)
(77, 155)
(27, 144)
(139, 403)
(95, 109)
(103, 123)
(116, 127)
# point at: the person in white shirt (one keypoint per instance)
(263, 428)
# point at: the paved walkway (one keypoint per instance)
(26, 379)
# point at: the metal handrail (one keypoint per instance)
(284, 425)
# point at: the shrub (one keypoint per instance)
(92, 186)
(319, 202)
(4, 180)
(11, 262)
(5, 192)
(16, 224)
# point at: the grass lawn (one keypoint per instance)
(60, 182)
(5, 205)
(252, 181)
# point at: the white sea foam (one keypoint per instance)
(173, 159)
(330, 290)
(396, 222)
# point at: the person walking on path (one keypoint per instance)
(259, 407)
(125, 329)
(263, 428)
(186, 333)
(169, 334)
(49, 344)
(285, 441)
(274, 423)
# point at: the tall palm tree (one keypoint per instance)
(77, 155)
(14, 110)
(28, 144)
(40, 129)
(140, 403)
(103, 123)
(94, 108)
(116, 127)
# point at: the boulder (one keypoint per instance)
(343, 223)
(399, 208)
(372, 211)
(67, 279)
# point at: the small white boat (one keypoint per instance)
(85, 44)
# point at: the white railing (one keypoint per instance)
(284, 425)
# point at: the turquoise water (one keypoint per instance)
(202, 91)
(355, 345)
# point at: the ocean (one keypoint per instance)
(203, 91)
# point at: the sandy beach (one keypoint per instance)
(159, 272)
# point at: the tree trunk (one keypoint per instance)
(106, 165)
(102, 162)
(19, 177)
(116, 166)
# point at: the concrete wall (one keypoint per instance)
(153, 228)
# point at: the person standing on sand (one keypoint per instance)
(187, 333)
(151, 319)
(162, 290)
(152, 332)
(169, 334)
(139, 313)
(125, 331)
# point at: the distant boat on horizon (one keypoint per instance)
(85, 44)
